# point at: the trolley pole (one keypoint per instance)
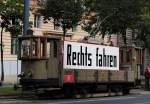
(26, 16)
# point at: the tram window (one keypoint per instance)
(42, 48)
(55, 49)
(25, 48)
(48, 49)
(34, 47)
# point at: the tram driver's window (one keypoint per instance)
(48, 48)
(25, 48)
(34, 47)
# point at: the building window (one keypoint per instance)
(13, 45)
(37, 20)
(56, 24)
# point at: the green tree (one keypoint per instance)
(11, 16)
(143, 35)
(115, 16)
(146, 11)
(144, 25)
(66, 12)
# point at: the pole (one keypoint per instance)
(2, 64)
(26, 16)
(17, 63)
(63, 39)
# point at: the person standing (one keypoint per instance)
(147, 77)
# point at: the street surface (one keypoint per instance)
(137, 97)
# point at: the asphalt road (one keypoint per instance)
(130, 99)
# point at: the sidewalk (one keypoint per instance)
(140, 91)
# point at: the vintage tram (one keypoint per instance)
(46, 64)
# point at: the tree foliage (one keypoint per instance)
(11, 14)
(146, 11)
(144, 25)
(118, 14)
(114, 16)
(61, 10)
(144, 34)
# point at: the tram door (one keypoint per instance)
(52, 64)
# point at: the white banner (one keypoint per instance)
(90, 56)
